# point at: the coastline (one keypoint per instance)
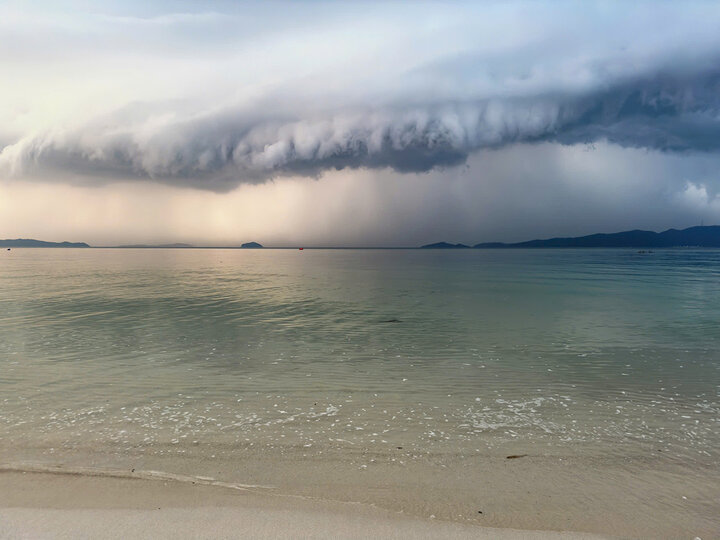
(74, 505)
(534, 497)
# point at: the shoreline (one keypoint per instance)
(75, 504)
(611, 497)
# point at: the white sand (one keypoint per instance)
(34, 505)
(239, 522)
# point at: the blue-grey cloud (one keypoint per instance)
(666, 112)
(426, 115)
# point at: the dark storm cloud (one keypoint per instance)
(666, 113)
(368, 94)
(219, 150)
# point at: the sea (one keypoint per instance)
(510, 387)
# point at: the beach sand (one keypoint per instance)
(51, 505)
(517, 498)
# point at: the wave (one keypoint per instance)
(131, 474)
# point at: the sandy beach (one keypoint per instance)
(633, 498)
(42, 505)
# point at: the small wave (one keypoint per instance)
(132, 474)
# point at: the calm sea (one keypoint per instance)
(204, 361)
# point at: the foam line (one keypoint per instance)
(133, 474)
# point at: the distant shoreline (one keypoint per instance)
(372, 248)
(692, 237)
(375, 248)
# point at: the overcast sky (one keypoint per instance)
(356, 123)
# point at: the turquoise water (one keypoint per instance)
(168, 354)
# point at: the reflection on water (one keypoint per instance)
(192, 351)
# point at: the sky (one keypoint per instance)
(356, 123)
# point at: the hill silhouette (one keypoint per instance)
(708, 236)
(29, 242)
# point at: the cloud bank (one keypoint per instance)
(515, 193)
(412, 99)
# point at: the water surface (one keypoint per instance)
(199, 360)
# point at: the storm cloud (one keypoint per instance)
(494, 76)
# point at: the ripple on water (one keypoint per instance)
(195, 351)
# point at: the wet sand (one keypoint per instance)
(42, 505)
(643, 497)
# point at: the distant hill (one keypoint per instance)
(251, 245)
(29, 242)
(693, 237)
(444, 245)
(179, 246)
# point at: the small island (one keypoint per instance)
(155, 246)
(251, 245)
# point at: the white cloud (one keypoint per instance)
(696, 198)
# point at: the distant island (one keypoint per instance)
(444, 245)
(247, 245)
(29, 242)
(708, 236)
(143, 246)
(701, 236)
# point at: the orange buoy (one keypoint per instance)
(301, 249)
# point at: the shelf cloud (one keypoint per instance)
(493, 77)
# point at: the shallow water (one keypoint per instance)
(187, 359)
